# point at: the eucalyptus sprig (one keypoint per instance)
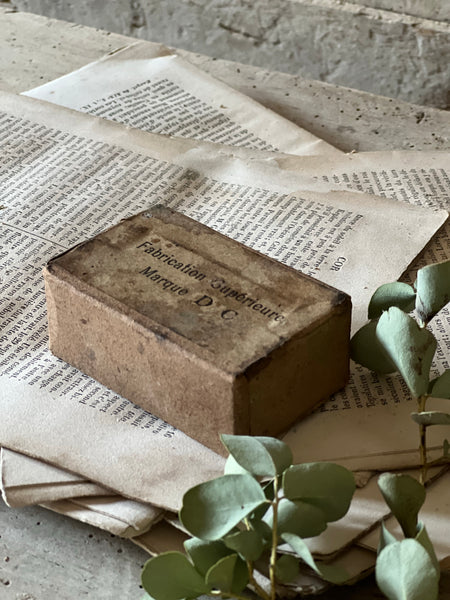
(393, 341)
(407, 568)
(260, 503)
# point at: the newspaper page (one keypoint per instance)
(150, 87)
(421, 178)
(26, 481)
(66, 176)
(125, 518)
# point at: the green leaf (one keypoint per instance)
(229, 575)
(433, 289)
(268, 490)
(298, 517)
(324, 485)
(405, 496)
(205, 554)
(366, 350)
(210, 510)
(386, 538)
(260, 456)
(259, 513)
(446, 448)
(432, 417)
(263, 530)
(409, 347)
(423, 539)
(404, 571)
(330, 573)
(396, 294)
(249, 544)
(170, 576)
(440, 387)
(286, 568)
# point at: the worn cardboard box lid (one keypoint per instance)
(202, 331)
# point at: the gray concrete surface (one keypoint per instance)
(44, 556)
(436, 10)
(358, 43)
(34, 49)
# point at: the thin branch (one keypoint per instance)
(442, 460)
(258, 589)
(273, 553)
(423, 442)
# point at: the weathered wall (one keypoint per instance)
(372, 49)
(436, 10)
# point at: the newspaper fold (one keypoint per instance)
(125, 518)
(26, 481)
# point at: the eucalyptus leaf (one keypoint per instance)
(405, 496)
(440, 387)
(404, 570)
(269, 488)
(432, 417)
(287, 568)
(298, 517)
(210, 510)
(366, 350)
(259, 513)
(229, 575)
(433, 289)
(331, 573)
(205, 554)
(269, 493)
(249, 544)
(423, 539)
(260, 456)
(396, 294)
(386, 538)
(446, 448)
(324, 485)
(170, 576)
(409, 347)
(263, 530)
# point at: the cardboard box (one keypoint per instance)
(196, 328)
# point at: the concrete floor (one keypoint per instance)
(45, 556)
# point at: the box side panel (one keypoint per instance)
(143, 366)
(300, 375)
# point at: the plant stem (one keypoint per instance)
(423, 442)
(443, 460)
(258, 589)
(273, 553)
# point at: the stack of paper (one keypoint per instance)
(353, 221)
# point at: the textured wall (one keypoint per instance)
(379, 51)
(436, 10)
